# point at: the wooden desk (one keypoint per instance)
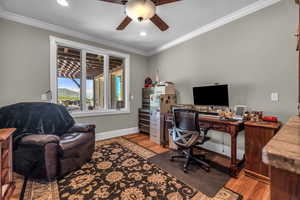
(231, 128)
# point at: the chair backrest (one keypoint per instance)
(36, 118)
(186, 119)
(186, 130)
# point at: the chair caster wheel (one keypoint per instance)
(185, 171)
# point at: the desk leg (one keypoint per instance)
(233, 164)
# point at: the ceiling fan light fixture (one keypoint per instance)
(143, 33)
(140, 10)
(63, 3)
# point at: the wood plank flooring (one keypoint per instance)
(250, 188)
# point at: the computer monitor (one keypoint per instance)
(215, 95)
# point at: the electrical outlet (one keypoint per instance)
(274, 97)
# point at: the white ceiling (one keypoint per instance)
(99, 19)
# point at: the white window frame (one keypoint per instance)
(55, 41)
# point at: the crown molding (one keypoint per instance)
(260, 4)
(59, 29)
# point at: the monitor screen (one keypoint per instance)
(216, 95)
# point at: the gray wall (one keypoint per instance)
(255, 55)
(25, 71)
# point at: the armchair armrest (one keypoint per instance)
(82, 128)
(39, 139)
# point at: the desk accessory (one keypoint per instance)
(270, 118)
(239, 111)
(256, 116)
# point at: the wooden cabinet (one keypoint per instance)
(284, 185)
(6, 181)
(257, 135)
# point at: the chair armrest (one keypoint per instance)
(82, 128)
(39, 139)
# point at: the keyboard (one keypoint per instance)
(209, 113)
(232, 120)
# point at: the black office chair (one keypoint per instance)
(187, 134)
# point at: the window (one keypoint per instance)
(88, 80)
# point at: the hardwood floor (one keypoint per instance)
(19, 184)
(250, 188)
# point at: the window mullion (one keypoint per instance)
(83, 80)
(106, 82)
(127, 84)
(53, 71)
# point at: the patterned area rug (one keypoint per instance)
(119, 170)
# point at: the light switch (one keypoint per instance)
(274, 97)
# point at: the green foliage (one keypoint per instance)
(72, 98)
(68, 98)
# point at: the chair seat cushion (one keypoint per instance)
(70, 144)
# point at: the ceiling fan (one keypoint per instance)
(141, 10)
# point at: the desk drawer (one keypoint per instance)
(220, 127)
(213, 126)
(204, 124)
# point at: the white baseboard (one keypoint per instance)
(222, 149)
(116, 133)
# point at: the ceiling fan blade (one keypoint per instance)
(162, 2)
(124, 23)
(123, 2)
(159, 23)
